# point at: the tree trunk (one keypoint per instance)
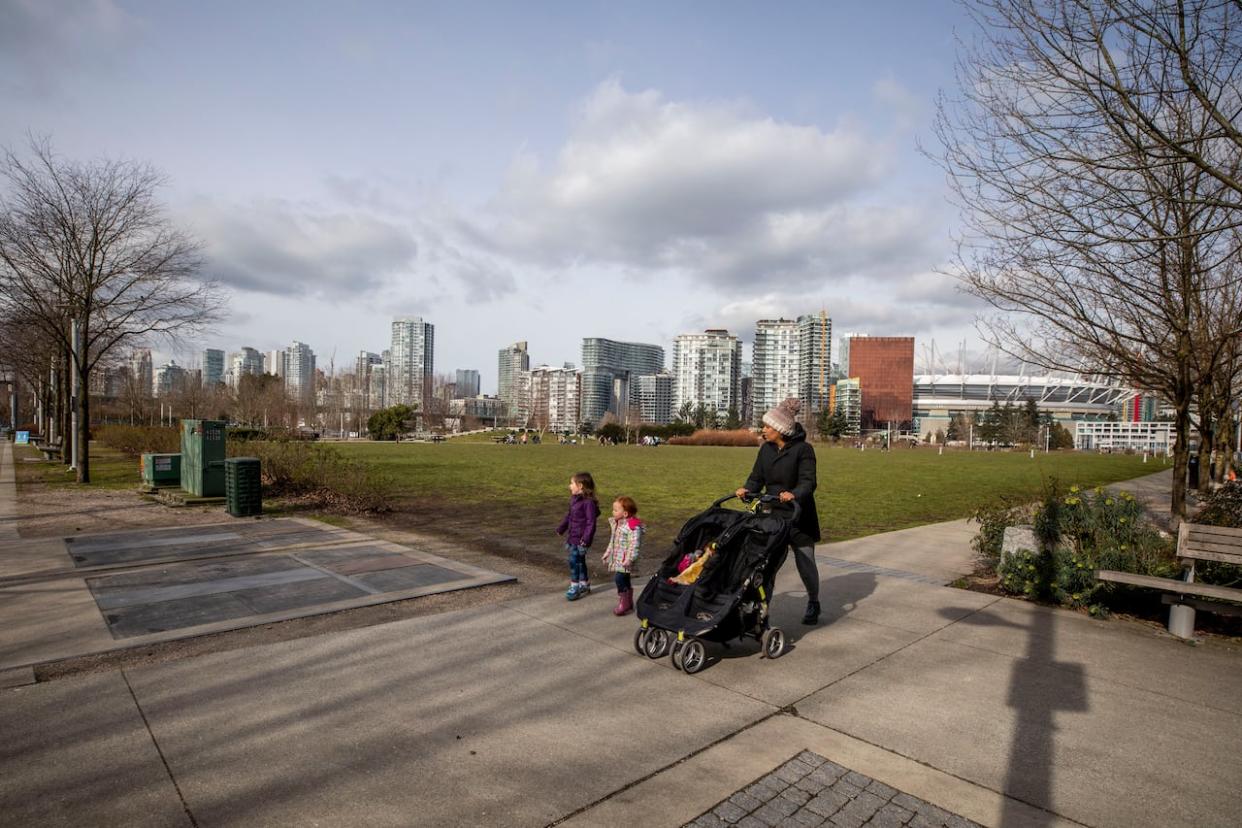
(1181, 453)
(1205, 454)
(84, 425)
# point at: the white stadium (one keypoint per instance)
(1071, 400)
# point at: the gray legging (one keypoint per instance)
(804, 557)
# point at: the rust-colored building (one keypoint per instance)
(884, 366)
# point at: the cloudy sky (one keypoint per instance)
(540, 171)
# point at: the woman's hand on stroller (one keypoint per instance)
(786, 497)
(742, 494)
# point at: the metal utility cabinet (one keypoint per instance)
(244, 486)
(202, 457)
(161, 470)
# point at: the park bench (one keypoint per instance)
(1195, 542)
(50, 450)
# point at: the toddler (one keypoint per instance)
(622, 551)
(579, 530)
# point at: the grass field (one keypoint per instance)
(477, 492)
(859, 492)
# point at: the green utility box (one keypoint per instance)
(202, 457)
(243, 486)
(159, 470)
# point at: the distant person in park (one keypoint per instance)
(785, 468)
(622, 551)
(579, 530)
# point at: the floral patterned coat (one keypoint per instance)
(623, 546)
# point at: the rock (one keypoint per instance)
(1017, 538)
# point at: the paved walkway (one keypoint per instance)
(539, 712)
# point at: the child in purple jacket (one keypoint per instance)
(579, 530)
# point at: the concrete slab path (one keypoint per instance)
(540, 712)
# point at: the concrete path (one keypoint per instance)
(8, 493)
(540, 712)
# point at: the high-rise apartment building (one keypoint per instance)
(362, 366)
(377, 387)
(467, 383)
(246, 362)
(848, 400)
(814, 363)
(707, 370)
(300, 372)
(884, 368)
(213, 367)
(609, 371)
(775, 365)
(274, 363)
(413, 362)
(655, 397)
(143, 371)
(169, 378)
(549, 398)
(512, 361)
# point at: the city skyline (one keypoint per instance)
(591, 158)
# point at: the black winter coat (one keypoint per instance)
(790, 469)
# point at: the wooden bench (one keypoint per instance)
(1195, 542)
(50, 450)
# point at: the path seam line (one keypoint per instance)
(168, 770)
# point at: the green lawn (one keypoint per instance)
(859, 492)
(110, 469)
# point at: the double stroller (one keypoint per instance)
(737, 554)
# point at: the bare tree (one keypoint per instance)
(89, 244)
(1102, 250)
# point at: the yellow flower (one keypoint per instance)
(1074, 488)
(1108, 502)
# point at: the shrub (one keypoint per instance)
(318, 472)
(715, 437)
(993, 518)
(1080, 532)
(136, 440)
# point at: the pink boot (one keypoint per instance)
(625, 604)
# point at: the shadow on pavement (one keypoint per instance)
(1039, 688)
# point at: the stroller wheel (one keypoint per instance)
(678, 646)
(640, 638)
(693, 656)
(773, 643)
(656, 645)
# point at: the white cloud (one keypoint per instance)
(713, 190)
(281, 247)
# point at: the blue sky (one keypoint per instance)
(537, 171)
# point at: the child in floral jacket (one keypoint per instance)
(622, 551)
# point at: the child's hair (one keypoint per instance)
(587, 483)
(627, 505)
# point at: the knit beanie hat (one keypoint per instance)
(782, 417)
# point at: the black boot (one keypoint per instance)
(811, 616)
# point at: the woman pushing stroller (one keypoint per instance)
(785, 468)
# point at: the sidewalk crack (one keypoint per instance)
(168, 770)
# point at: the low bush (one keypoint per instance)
(136, 440)
(993, 518)
(1079, 532)
(716, 437)
(319, 473)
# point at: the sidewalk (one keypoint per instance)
(540, 713)
(528, 714)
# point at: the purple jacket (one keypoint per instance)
(580, 521)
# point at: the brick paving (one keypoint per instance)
(810, 791)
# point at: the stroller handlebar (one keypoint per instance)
(766, 498)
